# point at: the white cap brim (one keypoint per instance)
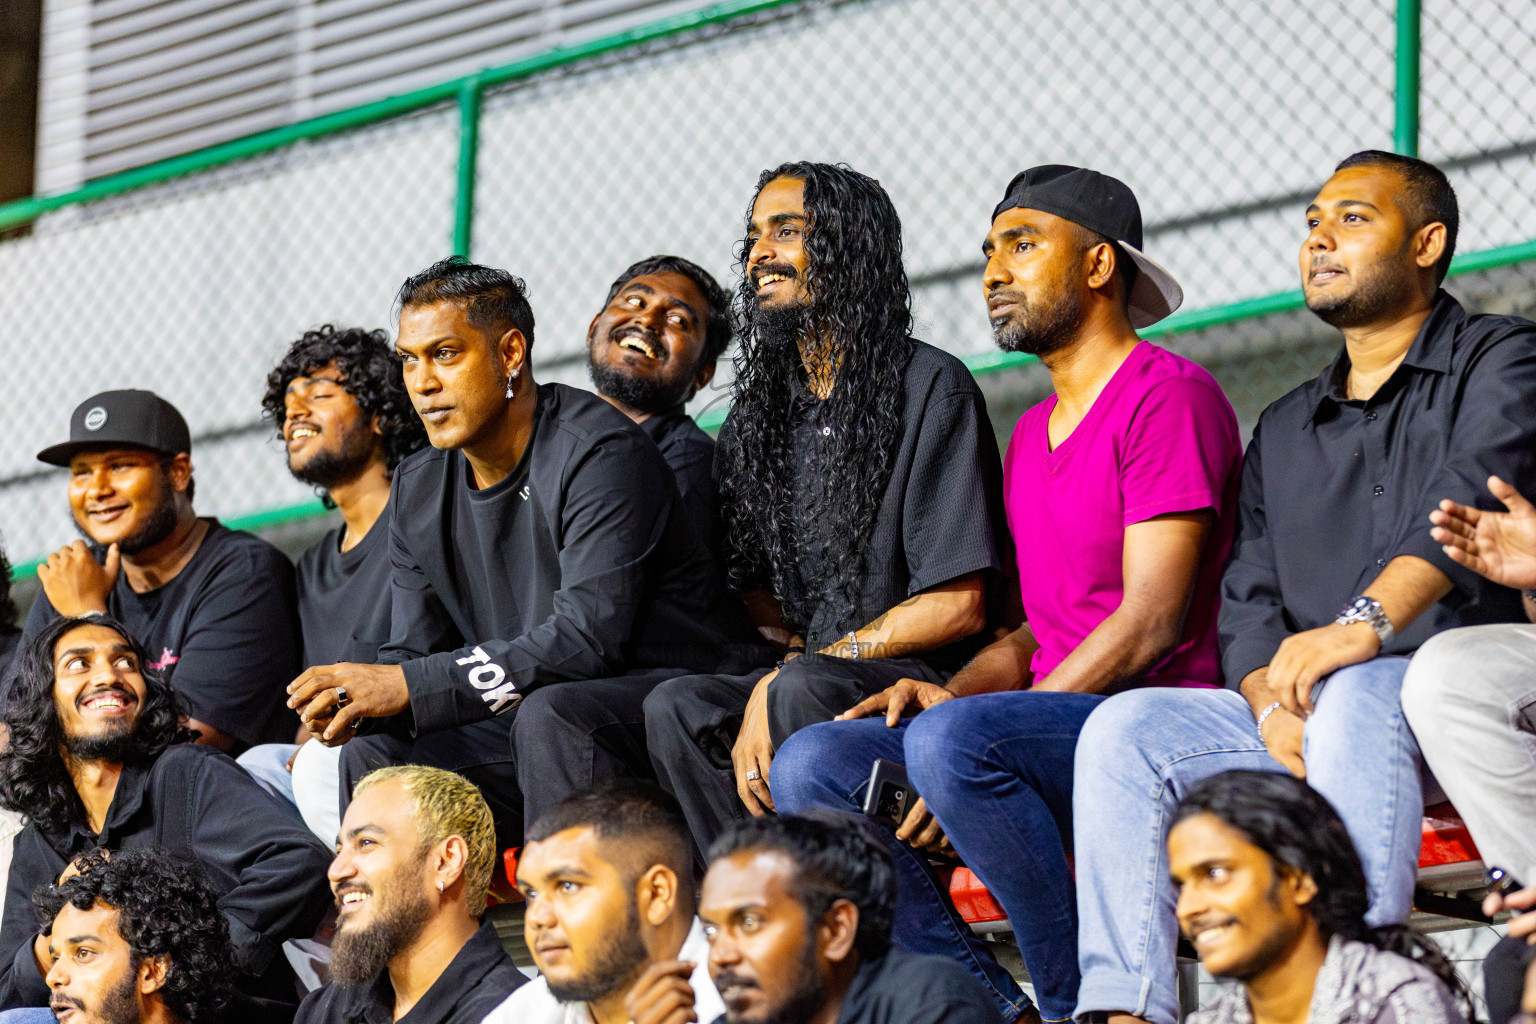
(1155, 294)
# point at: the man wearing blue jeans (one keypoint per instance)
(1130, 472)
(1425, 402)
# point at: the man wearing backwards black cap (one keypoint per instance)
(213, 606)
(1120, 490)
(1334, 580)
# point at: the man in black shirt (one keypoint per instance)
(214, 606)
(861, 495)
(136, 937)
(97, 758)
(339, 403)
(542, 567)
(798, 915)
(1333, 581)
(411, 874)
(655, 344)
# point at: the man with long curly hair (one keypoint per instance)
(861, 495)
(339, 403)
(98, 758)
(135, 937)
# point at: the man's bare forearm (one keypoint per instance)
(1407, 588)
(1001, 666)
(923, 622)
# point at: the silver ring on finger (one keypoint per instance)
(752, 775)
(342, 700)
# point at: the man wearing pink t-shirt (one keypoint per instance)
(1120, 492)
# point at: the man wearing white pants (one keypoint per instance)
(1470, 694)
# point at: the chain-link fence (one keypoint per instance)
(1225, 117)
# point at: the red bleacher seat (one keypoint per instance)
(1446, 855)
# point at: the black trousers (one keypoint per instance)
(691, 724)
(1504, 974)
(562, 738)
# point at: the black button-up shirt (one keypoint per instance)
(477, 980)
(1335, 488)
(691, 454)
(941, 516)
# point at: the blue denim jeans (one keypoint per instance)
(1143, 750)
(828, 765)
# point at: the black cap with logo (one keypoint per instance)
(1105, 205)
(122, 419)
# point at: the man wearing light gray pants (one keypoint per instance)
(1470, 693)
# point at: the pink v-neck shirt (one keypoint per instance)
(1160, 439)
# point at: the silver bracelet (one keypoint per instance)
(853, 645)
(1259, 725)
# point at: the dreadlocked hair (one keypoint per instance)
(859, 304)
(1301, 832)
(33, 779)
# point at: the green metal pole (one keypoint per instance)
(1405, 131)
(469, 152)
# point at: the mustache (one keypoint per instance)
(784, 269)
(730, 979)
(60, 1002)
(127, 696)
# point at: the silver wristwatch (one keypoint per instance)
(1368, 610)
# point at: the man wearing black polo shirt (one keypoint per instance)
(861, 495)
(542, 568)
(1334, 579)
(650, 350)
(340, 406)
(214, 606)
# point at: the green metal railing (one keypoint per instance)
(467, 93)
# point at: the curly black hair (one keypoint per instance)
(719, 324)
(370, 373)
(1300, 831)
(165, 907)
(861, 301)
(33, 779)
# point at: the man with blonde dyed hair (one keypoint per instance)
(412, 868)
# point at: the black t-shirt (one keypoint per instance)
(906, 988)
(224, 632)
(941, 516)
(344, 597)
(691, 454)
(578, 565)
(192, 801)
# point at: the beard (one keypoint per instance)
(340, 463)
(360, 953)
(118, 1006)
(1039, 331)
(1382, 289)
(116, 745)
(621, 957)
(159, 523)
(802, 1002)
(649, 395)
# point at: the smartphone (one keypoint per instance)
(889, 795)
(1503, 883)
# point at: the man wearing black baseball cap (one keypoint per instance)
(214, 606)
(1119, 491)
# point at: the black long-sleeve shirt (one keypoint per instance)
(691, 454)
(1334, 488)
(268, 868)
(478, 979)
(578, 565)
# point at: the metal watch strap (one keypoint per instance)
(1369, 611)
(853, 645)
